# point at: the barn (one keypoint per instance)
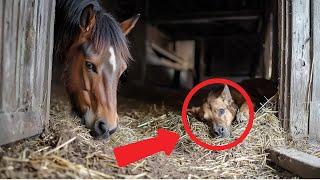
(175, 45)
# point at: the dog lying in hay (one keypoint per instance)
(220, 109)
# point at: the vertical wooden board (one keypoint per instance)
(49, 58)
(21, 46)
(186, 50)
(40, 39)
(29, 54)
(1, 55)
(300, 68)
(285, 61)
(8, 61)
(25, 66)
(314, 121)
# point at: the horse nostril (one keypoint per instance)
(100, 129)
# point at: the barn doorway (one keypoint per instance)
(234, 39)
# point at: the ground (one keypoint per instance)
(66, 150)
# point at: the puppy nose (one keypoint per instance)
(221, 131)
(100, 129)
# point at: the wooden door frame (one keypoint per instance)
(299, 66)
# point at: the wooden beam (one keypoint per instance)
(207, 20)
(167, 54)
(297, 162)
(314, 121)
(203, 17)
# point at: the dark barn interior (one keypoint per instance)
(230, 38)
(177, 44)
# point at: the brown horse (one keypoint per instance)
(93, 47)
(220, 109)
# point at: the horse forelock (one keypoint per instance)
(105, 33)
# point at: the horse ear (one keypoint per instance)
(87, 19)
(226, 94)
(129, 24)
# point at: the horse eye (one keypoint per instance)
(91, 66)
(221, 112)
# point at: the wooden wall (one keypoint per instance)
(26, 43)
(300, 67)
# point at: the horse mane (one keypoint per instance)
(106, 32)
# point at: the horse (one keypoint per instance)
(220, 109)
(94, 50)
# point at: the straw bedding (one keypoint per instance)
(66, 150)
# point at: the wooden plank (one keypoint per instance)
(8, 65)
(297, 162)
(167, 54)
(25, 67)
(300, 68)
(207, 17)
(1, 54)
(314, 121)
(268, 47)
(186, 50)
(49, 59)
(284, 78)
(16, 126)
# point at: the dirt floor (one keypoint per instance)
(66, 150)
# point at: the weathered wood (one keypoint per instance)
(167, 54)
(300, 68)
(186, 50)
(268, 47)
(207, 20)
(20, 125)
(26, 27)
(314, 121)
(295, 66)
(209, 17)
(297, 162)
(284, 96)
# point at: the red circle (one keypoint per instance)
(211, 82)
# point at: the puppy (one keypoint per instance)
(219, 110)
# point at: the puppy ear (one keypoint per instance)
(226, 94)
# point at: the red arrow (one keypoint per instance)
(164, 141)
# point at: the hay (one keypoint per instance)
(66, 150)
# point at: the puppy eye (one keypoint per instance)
(91, 66)
(221, 112)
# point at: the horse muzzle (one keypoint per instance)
(101, 130)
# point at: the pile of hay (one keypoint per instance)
(66, 150)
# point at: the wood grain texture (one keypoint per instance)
(297, 162)
(300, 68)
(26, 27)
(284, 78)
(299, 100)
(314, 121)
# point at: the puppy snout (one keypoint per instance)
(221, 131)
